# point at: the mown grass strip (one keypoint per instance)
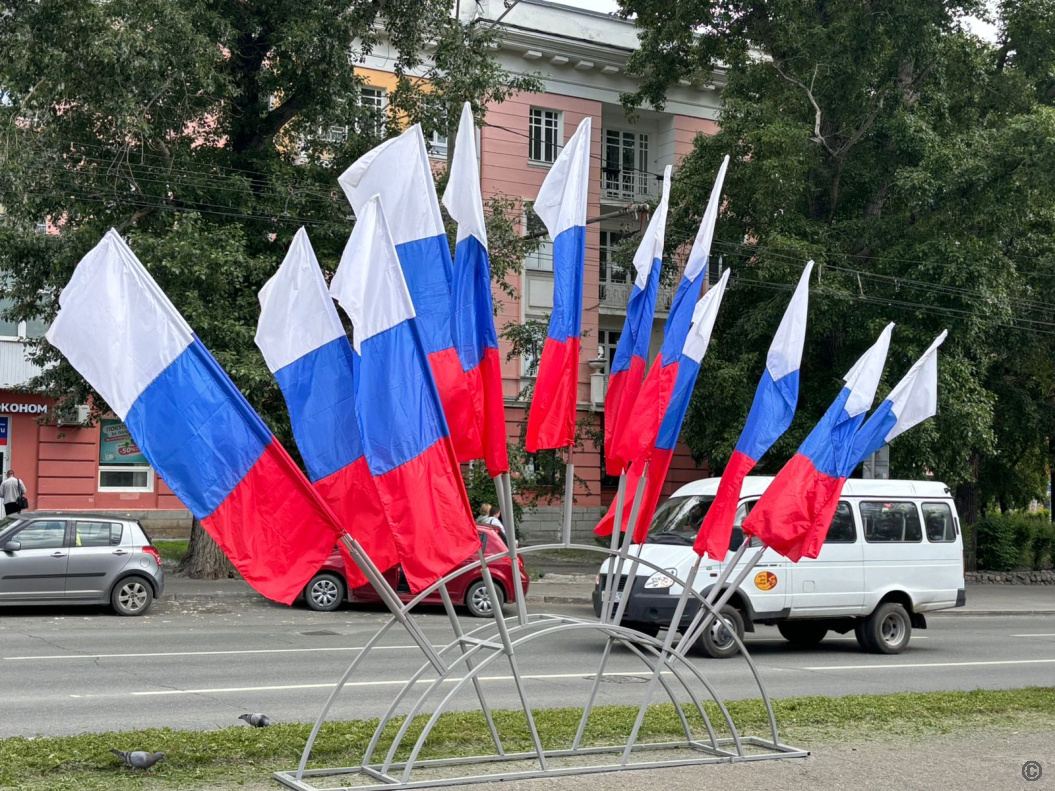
(232, 757)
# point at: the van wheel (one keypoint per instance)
(802, 634)
(717, 640)
(885, 631)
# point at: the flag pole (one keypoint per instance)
(609, 579)
(504, 487)
(569, 495)
(624, 551)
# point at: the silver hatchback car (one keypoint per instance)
(84, 558)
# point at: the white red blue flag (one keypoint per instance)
(913, 400)
(627, 369)
(307, 350)
(771, 414)
(561, 205)
(472, 307)
(687, 368)
(124, 336)
(793, 515)
(638, 438)
(405, 437)
(398, 170)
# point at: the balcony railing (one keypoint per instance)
(632, 186)
(617, 295)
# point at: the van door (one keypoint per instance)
(895, 555)
(833, 583)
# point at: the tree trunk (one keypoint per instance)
(966, 497)
(204, 559)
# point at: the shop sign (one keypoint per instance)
(23, 409)
(116, 445)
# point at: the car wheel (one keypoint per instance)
(324, 593)
(717, 640)
(132, 596)
(885, 631)
(479, 603)
(802, 634)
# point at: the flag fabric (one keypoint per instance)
(561, 205)
(636, 441)
(124, 336)
(398, 170)
(688, 368)
(771, 414)
(631, 354)
(405, 437)
(472, 307)
(307, 350)
(913, 400)
(794, 513)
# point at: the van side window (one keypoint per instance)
(842, 530)
(891, 522)
(737, 536)
(939, 522)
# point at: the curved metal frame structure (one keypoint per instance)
(465, 657)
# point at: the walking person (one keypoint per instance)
(13, 492)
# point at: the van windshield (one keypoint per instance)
(678, 520)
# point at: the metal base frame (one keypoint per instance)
(461, 661)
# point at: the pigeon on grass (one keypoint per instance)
(139, 759)
(256, 720)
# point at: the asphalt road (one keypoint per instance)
(200, 666)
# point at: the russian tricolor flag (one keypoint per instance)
(913, 400)
(306, 348)
(631, 354)
(405, 437)
(639, 436)
(771, 414)
(686, 369)
(129, 342)
(398, 170)
(472, 307)
(561, 205)
(799, 504)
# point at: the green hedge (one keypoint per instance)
(1015, 540)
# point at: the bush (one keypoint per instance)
(1014, 540)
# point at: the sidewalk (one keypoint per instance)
(991, 600)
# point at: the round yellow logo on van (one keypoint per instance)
(765, 580)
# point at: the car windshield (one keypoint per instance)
(678, 520)
(7, 524)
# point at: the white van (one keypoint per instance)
(893, 553)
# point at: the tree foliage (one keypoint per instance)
(912, 160)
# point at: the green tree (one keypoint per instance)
(912, 161)
(207, 132)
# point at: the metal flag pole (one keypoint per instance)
(624, 551)
(569, 494)
(667, 644)
(610, 578)
(504, 487)
(391, 600)
(705, 615)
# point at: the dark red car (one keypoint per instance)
(329, 587)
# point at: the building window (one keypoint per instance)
(608, 340)
(122, 465)
(12, 329)
(437, 145)
(541, 258)
(625, 173)
(375, 102)
(614, 278)
(544, 135)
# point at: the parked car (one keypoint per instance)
(82, 558)
(893, 553)
(329, 587)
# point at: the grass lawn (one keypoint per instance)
(239, 756)
(173, 550)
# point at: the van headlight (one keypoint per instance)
(661, 579)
